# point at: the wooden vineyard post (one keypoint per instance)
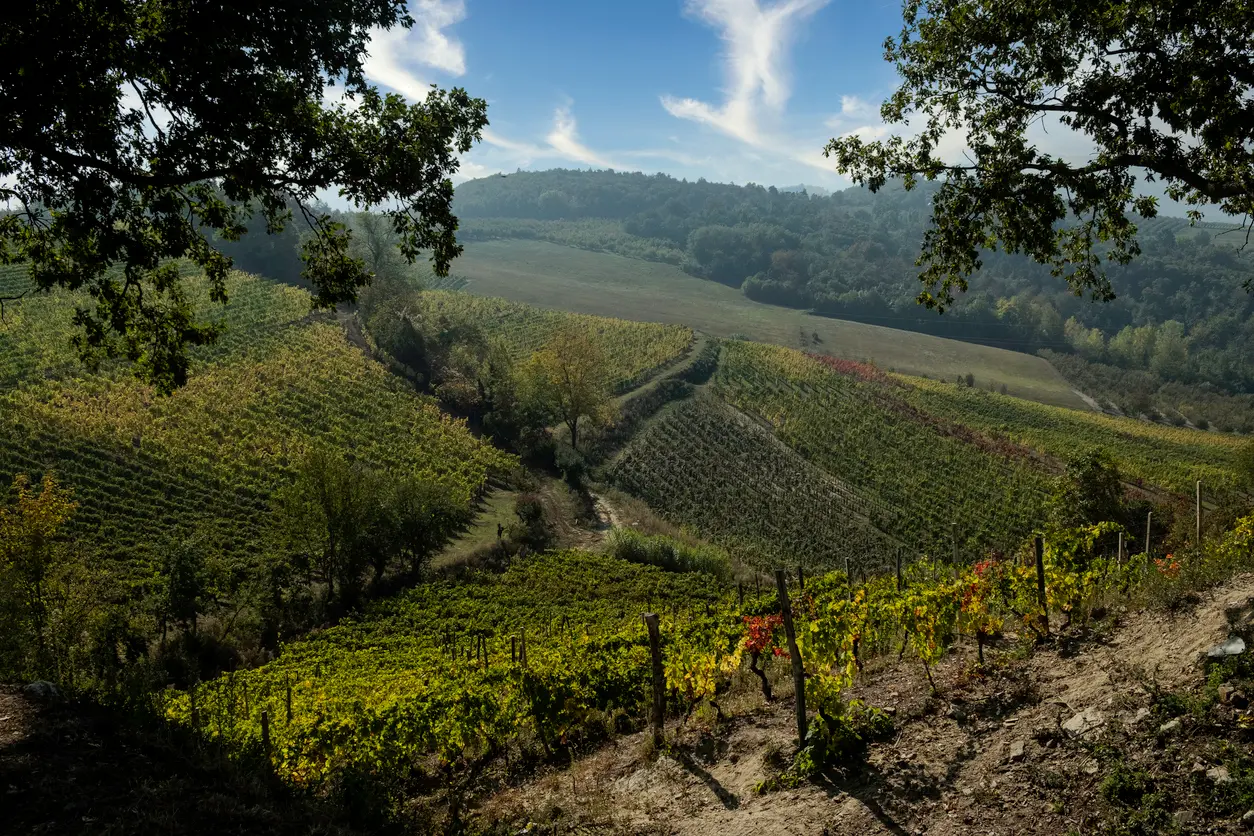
(265, 733)
(659, 677)
(1197, 530)
(1119, 552)
(798, 671)
(1149, 520)
(953, 535)
(1040, 583)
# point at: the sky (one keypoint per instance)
(730, 90)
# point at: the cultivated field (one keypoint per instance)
(546, 274)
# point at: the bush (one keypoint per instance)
(667, 553)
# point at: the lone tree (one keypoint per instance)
(132, 134)
(1163, 89)
(566, 380)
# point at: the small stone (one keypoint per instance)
(1084, 722)
(41, 690)
(1234, 646)
(1016, 751)
(1090, 768)
(1170, 727)
(1141, 715)
(891, 711)
(1219, 775)
(1231, 695)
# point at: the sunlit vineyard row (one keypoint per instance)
(412, 677)
(919, 481)
(1167, 456)
(633, 350)
(35, 333)
(437, 682)
(145, 468)
(704, 465)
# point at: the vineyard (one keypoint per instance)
(209, 457)
(35, 335)
(634, 350)
(705, 465)
(1166, 456)
(793, 458)
(944, 488)
(451, 676)
(457, 670)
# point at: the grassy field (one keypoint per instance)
(546, 274)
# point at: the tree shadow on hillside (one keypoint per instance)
(726, 798)
(84, 769)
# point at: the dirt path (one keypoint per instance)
(984, 759)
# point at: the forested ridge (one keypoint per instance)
(1183, 312)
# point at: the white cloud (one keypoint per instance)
(434, 48)
(395, 52)
(564, 139)
(756, 40)
(525, 150)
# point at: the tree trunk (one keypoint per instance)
(761, 674)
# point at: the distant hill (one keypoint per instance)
(851, 255)
(817, 191)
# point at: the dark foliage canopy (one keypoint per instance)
(135, 133)
(1162, 88)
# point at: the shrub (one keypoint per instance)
(668, 553)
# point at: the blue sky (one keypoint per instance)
(730, 90)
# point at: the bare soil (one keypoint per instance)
(989, 754)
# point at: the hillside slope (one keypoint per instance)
(148, 470)
(554, 276)
(987, 756)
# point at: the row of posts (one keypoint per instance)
(518, 649)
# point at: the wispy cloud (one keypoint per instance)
(394, 53)
(564, 139)
(756, 38)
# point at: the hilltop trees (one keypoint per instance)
(1161, 89)
(134, 134)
